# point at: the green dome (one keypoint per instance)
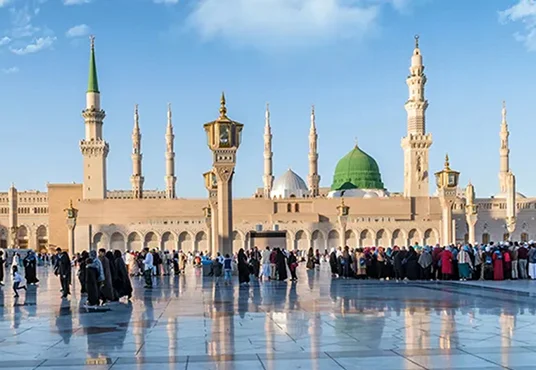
(357, 170)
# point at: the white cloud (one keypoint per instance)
(78, 31)
(4, 3)
(283, 22)
(523, 12)
(4, 41)
(76, 2)
(169, 2)
(10, 70)
(39, 44)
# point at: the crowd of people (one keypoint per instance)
(104, 276)
(509, 260)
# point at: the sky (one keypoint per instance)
(349, 58)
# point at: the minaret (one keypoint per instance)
(417, 142)
(268, 178)
(93, 147)
(313, 179)
(504, 152)
(170, 178)
(136, 179)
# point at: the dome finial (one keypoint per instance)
(355, 141)
(447, 162)
(416, 41)
(223, 108)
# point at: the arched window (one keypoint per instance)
(485, 238)
(296, 207)
(289, 207)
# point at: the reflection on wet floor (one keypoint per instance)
(317, 323)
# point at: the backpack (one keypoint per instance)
(489, 260)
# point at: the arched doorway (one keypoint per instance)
(333, 239)
(42, 239)
(237, 241)
(168, 242)
(430, 238)
(151, 241)
(185, 242)
(524, 237)
(365, 239)
(398, 238)
(351, 239)
(485, 238)
(301, 243)
(413, 238)
(381, 238)
(117, 242)
(318, 240)
(134, 242)
(201, 242)
(99, 241)
(3, 237)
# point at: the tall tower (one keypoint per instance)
(93, 147)
(417, 142)
(170, 178)
(314, 178)
(504, 152)
(268, 178)
(136, 179)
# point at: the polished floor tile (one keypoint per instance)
(318, 323)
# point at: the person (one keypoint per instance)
(92, 280)
(446, 263)
(147, 268)
(176, 262)
(281, 265)
(243, 268)
(17, 281)
(228, 269)
(265, 260)
(310, 259)
(166, 263)
(122, 284)
(63, 270)
(292, 265)
(412, 266)
(2, 261)
(82, 271)
(107, 289)
(30, 268)
(425, 261)
(498, 269)
(333, 263)
(465, 264)
(217, 267)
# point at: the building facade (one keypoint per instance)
(357, 210)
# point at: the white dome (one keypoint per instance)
(289, 185)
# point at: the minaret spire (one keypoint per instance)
(268, 178)
(314, 177)
(136, 179)
(417, 142)
(504, 152)
(93, 147)
(170, 178)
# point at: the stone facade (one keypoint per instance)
(130, 219)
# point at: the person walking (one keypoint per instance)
(63, 270)
(2, 261)
(17, 281)
(148, 268)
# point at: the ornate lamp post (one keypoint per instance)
(224, 136)
(447, 183)
(342, 217)
(72, 214)
(211, 212)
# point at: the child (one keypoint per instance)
(228, 268)
(17, 279)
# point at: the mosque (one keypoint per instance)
(357, 210)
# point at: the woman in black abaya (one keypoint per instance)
(92, 282)
(122, 281)
(281, 265)
(243, 267)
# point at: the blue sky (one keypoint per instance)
(348, 57)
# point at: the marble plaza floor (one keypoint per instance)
(187, 323)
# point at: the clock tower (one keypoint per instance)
(224, 136)
(447, 186)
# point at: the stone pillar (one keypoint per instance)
(471, 223)
(342, 216)
(447, 183)
(71, 224)
(13, 241)
(225, 209)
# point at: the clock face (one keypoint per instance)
(225, 135)
(452, 179)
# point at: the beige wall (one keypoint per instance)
(59, 196)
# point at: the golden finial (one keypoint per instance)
(136, 109)
(416, 41)
(223, 108)
(355, 140)
(342, 202)
(92, 42)
(447, 163)
(70, 203)
(313, 109)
